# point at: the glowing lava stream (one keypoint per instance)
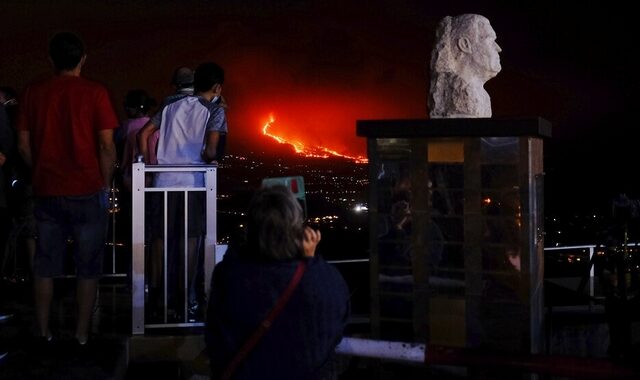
(316, 151)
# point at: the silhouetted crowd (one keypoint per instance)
(276, 309)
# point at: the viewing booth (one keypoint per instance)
(456, 219)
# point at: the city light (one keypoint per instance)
(360, 208)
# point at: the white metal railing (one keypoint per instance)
(592, 249)
(139, 189)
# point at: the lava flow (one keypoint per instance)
(308, 151)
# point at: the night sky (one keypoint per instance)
(318, 66)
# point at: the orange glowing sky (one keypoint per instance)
(305, 146)
(316, 99)
(326, 119)
(316, 68)
(320, 65)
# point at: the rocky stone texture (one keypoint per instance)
(465, 56)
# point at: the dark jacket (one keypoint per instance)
(302, 339)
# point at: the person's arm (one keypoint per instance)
(216, 126)
(152, 147)
(106, 155)
(143, 137)
(24, 147)
(209, 152)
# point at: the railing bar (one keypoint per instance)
(113, 229)
(348, 261)
(164, 189)
(170, 325)
(186, 254)
(570, 247)
(591, 276)
(178, 168)
(165, 270)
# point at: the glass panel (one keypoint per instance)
(394, 148)
(393, 183)
(453, 239)
(500, 149)
(496, 176)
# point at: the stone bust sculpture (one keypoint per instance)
(465, 56)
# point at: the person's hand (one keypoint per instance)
(3, 158)
(310, 240)
(401, 214)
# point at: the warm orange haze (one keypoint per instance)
(309, 149)
(298, 78)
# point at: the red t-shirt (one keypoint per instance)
(63, 115)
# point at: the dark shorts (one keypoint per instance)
(84, 220)
(175, 214)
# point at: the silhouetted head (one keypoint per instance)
(182, 77)
(275, 225)
(66, 50)
(207, 75)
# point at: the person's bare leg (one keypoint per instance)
(43, 290)
(30, 245)
(86, 298)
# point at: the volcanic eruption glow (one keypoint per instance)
(305, 149)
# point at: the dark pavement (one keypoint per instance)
(113, 353)
(104, 357)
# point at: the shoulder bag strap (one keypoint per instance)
(266, 323)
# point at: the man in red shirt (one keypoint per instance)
(65, 132)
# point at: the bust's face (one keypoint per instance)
(485, 50)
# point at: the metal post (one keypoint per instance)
(186, 257)
(165, 239)
(592, 278)
(210, 253)
(114, 208)
(137, 253)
